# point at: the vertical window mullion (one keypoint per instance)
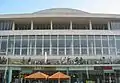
(65, 44)
(101, 45)
(50, 46)
(108, 45)
(115, 45)
(21, 45)
(35, 45)
(7, 45)
(42, 44)
(87, 45)
(57, 45)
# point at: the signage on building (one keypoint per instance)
(98, 67)
(107, 68)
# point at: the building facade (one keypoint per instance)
(84, 45)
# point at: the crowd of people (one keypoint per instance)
(61, 61)
(3, 60)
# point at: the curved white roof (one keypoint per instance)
(61, 11)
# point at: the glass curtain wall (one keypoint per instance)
(30, 45)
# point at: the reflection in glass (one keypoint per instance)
(38, 51)
(76, 51)
(105, 43)
(54, 43)
(69, 51)
(83, 43)
(76, 43)
(54, 51)
(83, 50)
(46, 43)
(61, 43)
(61, 51)
(105, 51)
(98, 51)
(24, 51)
(68, 43)
(17, 51)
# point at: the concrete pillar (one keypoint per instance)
(90, 24)
(9, 75)
(70, 25)
(108, 25)
(51, 24)
(13, 26)
(31, 25)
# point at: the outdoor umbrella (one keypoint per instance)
(38, 75)
(59, 76)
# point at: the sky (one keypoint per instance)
(29, 6)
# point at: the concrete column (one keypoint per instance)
(90, 24)
(31, 24)
(13, 26)
(70, 25)
(9, 75)
(108, 25)
(51, 24)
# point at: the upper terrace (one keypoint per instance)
(59, 19)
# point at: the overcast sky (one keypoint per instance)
(29, 6)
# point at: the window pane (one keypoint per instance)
(54, 51)
(17, 51)
(69, 51)
(47, 51)
(54, 37)
(46, 43)
(91, 37)
(97, 37)
(76, 43)
(38, 43)
(61, 43)
(91, 51)
(24, 51)
(76, 51)
(3, 45)
(118, 44)
(111, 43)
(76, 37)
(54, 43)
(10, 52)
(104, 37)
(91, 43)
(46, 37)
(84, 37)
(68, 37)
(61, 51)
(105, 51)
(112, 51)
(68, 43)
(38, 51)
(105, 43)
(98, 43)
(39, 37)
(83, 43)
(17, 43)
(61, 37)
(31, 51)
(83, 51)
(98, 51)
(31, 43)
(24, 43)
